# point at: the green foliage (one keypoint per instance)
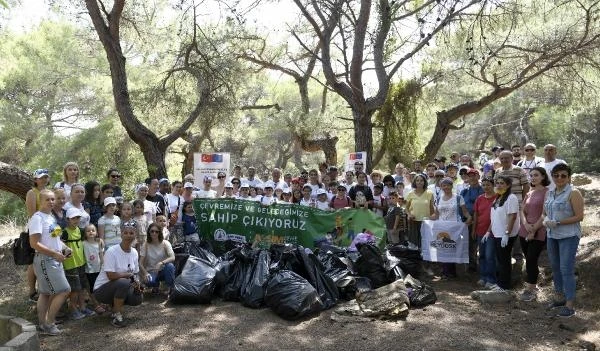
(397, 119)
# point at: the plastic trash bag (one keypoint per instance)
(349, 286)
(408, 258)
(314, 273)
(290, 296)
(253, 290)
(370, 264)
(421, 294)
(195, 284)
(241, 259)
(198, 249)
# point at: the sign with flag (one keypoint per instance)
(352, 157)
(445, 241)
(219, 220)
(210, 164)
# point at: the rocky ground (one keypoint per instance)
(455, 322)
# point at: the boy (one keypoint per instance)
(396, 220)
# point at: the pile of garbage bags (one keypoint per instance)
(291, 280)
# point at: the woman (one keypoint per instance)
(76, 200)
(296, 196)
(60, 215)
(174, 202)
(141, 191)
(481, 219)
(156, 260)
(447, 209)
(32, 203)
(50, 252)
(504, 227)
(563, 211)
(70, 177)
(118, 284)
(419, 205)
(92, 202)
(532, 234)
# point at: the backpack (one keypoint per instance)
(22, 251)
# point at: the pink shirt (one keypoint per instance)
(534, 207)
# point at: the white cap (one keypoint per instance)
(188, 185)
(73, 212)
(110, 200)
(269, 184)
(229, 185)
(321, 191)
(244, 185)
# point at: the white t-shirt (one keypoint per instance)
(173, 201)
(118, 261)
(45, 224)
(323, 205)
(204, 194)
(448, 209)
(548, 166)
(149, 211)
(309, 202)
(85, 217)
(500, 220)
(112, 229)
(268, 200)
(253, 183)
(67, 188)
(156, 253)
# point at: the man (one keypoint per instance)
(418, 166)
(277, 181)
(287, 178)
(237, 172)
(430, 169)
(348, 181)
(493, 163)
(435, 188)
(531, 160)
(333, 173)
(164, 189)
(452, 172)
(520, 182)
(359, 166)
(154, 197)
(441, 162)
(550, 161)
(361, 187)
(114, 177)
(470, 194)
(206, 192)
(399, 173)
(466, 161)
(251, 180)
(516, 151)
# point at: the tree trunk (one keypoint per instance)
(15, 180)
(363, 135)
(154, 155)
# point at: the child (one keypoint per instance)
(268, 198)
(126, 213)
(161, 221)
(93, 250)
(396, 220)
(141, 222)
(109, 225)
(322, 200)
(190, 232)
(307, 200)
(379, 202)
(341, 200)
(286, 196)
(74, 266)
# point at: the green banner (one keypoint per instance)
(219, 220)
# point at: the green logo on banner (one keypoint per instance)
(219, 220)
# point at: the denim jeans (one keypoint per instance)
(487, 260)
(561, 253)
(167, 274)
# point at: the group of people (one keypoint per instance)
(91, 241)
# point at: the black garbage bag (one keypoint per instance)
(253, 290)
(284, 256)
(195, 284)
(370, 264)
(349, 286)
(180, 260)
(393, 267)
(200, 250)
(314, 273)
(241, 259)
(333, 265)
(409, 258)
(421, 294)
(290, 296)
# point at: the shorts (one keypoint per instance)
(76, 278)
(50, 275)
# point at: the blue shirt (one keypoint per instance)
(470, 194)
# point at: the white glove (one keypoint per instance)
(485, 237)
(549, 223)
(504, 241)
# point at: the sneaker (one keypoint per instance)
(556, 304)
(489, 286)
(87, 312)
(76, 315)
(50, 329)
(527, 295)
(566, 312)
(118, 321)
(34, 297)
(481, 282)
(497, 288)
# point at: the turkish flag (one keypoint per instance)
(206, 158)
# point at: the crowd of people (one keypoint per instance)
(95, 246)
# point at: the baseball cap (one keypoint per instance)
(163, 180)
(39, 173)
(287, 190)
(188, 185)
(73, 212)
(321, 191)
(463, 169)
(360, 163)
(473, 171)
(245, 185)
(439, 172)
(229, 185)
(110, 200)
(268, 184)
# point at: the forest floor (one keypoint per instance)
(455, 322)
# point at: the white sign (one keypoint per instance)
(352, 157)
(210, 164)
(445, 241)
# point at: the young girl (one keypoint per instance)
(322, 202)
(190, 232)
(109, 225)
(91, 202)
(161, 221)
(126, 213)
(307, 200)
(93, 250)
(141, 222)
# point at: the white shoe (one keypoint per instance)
(489, 286)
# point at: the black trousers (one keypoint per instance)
(532, 250)
(503, 256)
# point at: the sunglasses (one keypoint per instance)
(529, 149)
(115, 176)
(560, 175)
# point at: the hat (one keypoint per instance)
(163, 180)
(208, 178)
(188, 185)
(229, 185)
(473, 171)
(496, 148)
(341, 186)
(39, 173)
(287, 191)
(73, 212)
(360, 163)
(451, 165)
(307, 186)
(110, 200)
(140, 186)
(447, 180)
(268, 184)
(378, 185)
(244, 186)
(321, 192)
(439, 172)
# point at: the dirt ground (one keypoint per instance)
(455, 322)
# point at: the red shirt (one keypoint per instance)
(482, 208)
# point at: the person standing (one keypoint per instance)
(70, 177)
(530, 161)
(550, 161)
(114, 178)
(563, 211)
(419, 206)
(481, 223)
(470, 195)
(155, 197)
